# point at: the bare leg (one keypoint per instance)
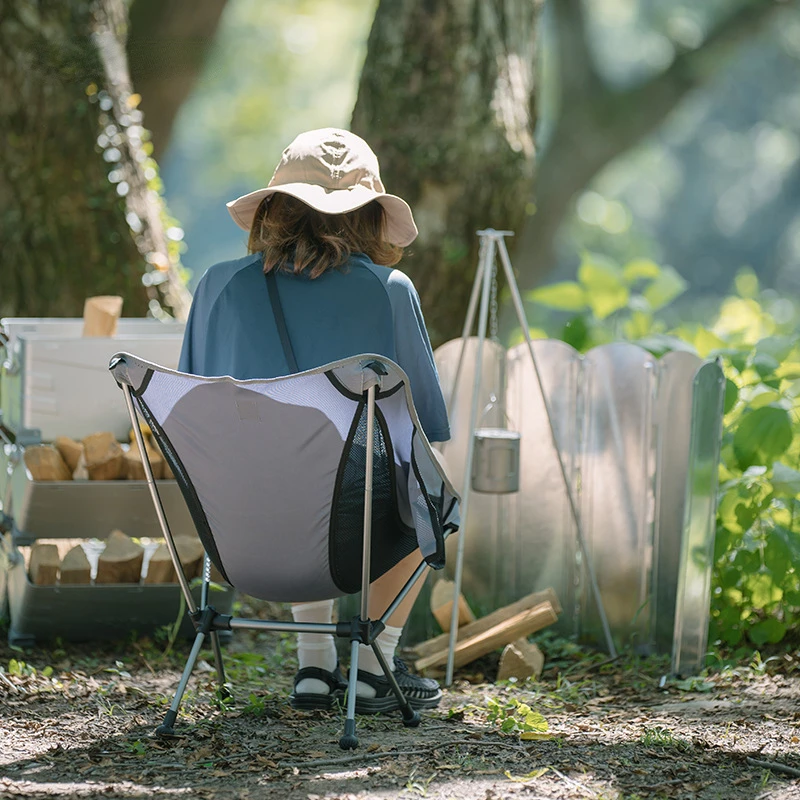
(387, 587)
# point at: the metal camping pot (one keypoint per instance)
(495, 461)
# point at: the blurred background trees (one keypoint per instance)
(665, 130)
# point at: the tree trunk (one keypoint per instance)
(167, 46)
(446, 102)
(73, 185)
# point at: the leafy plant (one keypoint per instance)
(512, 716)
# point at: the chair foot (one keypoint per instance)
(349, 740)
(411, 718)
(224, 693)
(166, 727)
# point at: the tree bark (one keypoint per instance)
(167, 46)
(73, 185)
(596, 124)
(446, 101)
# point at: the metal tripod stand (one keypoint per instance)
(492, 242)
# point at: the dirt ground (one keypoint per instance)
(78, 722)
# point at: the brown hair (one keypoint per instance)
(293, 236)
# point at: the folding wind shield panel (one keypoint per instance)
(541, 529)
(697, 548)
(617, 473)
(273, 472)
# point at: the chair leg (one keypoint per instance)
(349, 740)
(223, 690)
(166, 727)
(411, 718)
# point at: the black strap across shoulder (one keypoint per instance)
(280, 321)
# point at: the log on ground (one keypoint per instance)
(467, 650)
(437, 643)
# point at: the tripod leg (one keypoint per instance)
(488, 268)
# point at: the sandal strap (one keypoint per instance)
(333, 679)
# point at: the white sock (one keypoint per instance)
(387, 640)
(315, 649)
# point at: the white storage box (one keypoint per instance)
(54, 382)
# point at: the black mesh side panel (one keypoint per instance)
(392, 540)
(186, 486)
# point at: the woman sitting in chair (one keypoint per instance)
(330, 235)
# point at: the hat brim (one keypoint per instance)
(400, 227)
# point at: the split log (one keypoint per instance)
(135, 466)
(45, 463)
(442, 605)
(490, 620)
(70, 451)
(190, 552)
(105, 459)
(160, 568)
(75, 568)
(44, 563)
(121, 561)
(100, 315)
(467, 650)
(521, 660)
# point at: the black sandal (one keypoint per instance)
(420, 692)
(308, 701)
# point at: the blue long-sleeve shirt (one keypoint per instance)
(360, 308)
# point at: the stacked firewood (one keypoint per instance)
(98, 457)
(121, 561)
(507, 627)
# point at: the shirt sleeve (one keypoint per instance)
(192, 360)
(415, 356)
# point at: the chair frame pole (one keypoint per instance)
(366, 560)
(162, 518)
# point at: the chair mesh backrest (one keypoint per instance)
(273, 472)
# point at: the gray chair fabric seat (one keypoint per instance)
(274, 473)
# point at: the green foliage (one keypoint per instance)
(512, 716)
(756, 576)
(663, 737)
(610, 301)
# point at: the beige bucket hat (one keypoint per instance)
(333, 171)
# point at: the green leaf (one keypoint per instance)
(731, 395)
(765, 364)
(706, 342)
(776, 557)
(761, 436)
(605, 289)
(785, 480)
(640, 268)
(778, 347)
(576, 333)
(564, 296)
(665, 288)
(767, 631)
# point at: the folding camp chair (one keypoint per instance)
(302, 488)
